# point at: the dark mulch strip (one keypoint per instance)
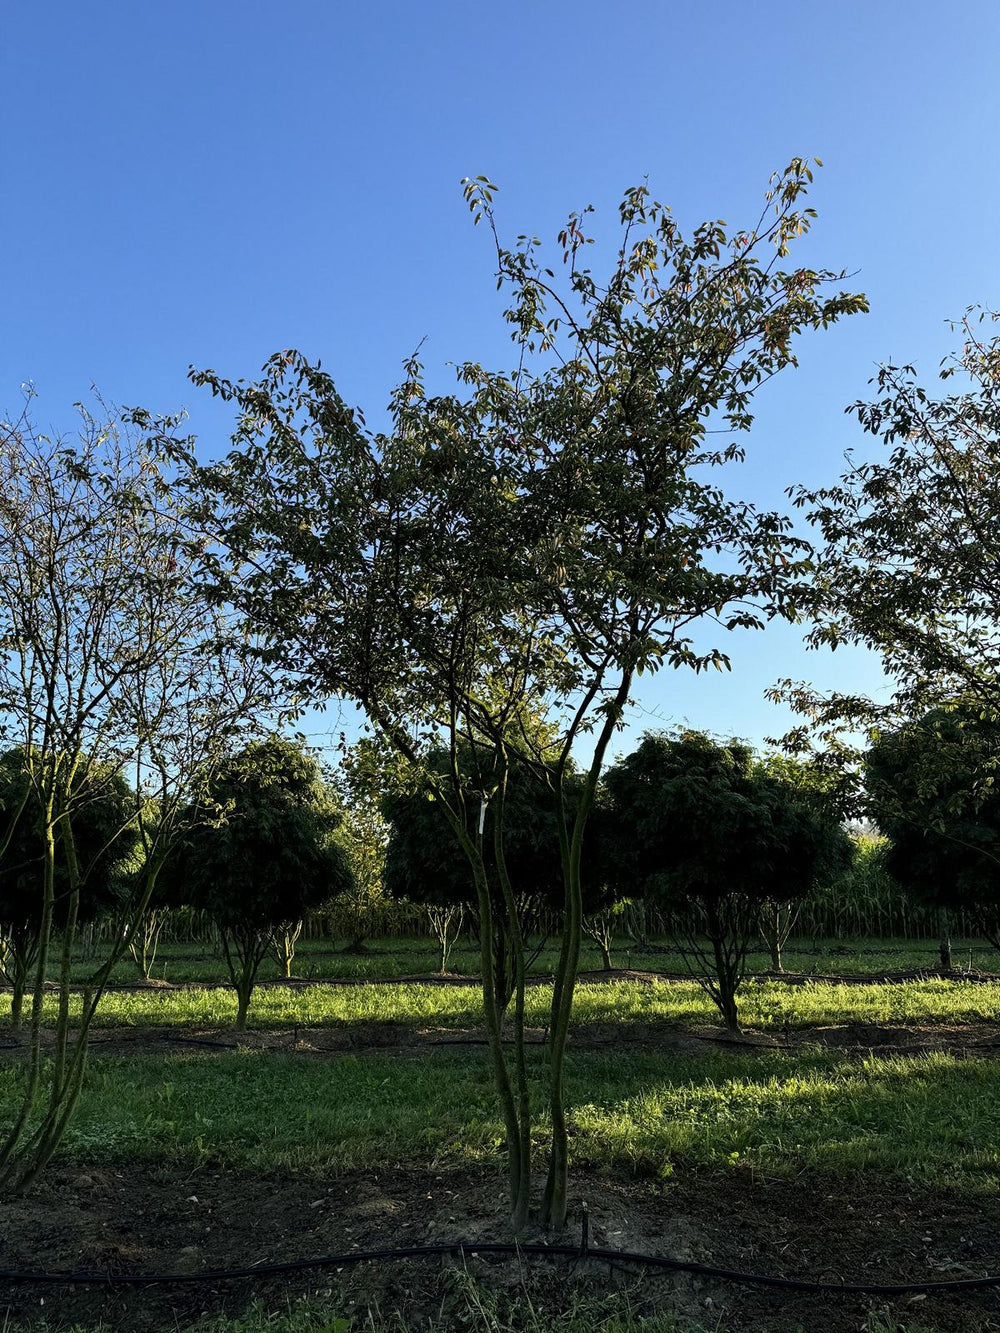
(167, 1219)
(410, 1041)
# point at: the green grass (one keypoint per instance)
(770, 1006)
(472, 1308)
(934, 1119)
(396, 957)
(466, 1305)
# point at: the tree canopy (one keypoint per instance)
(532, 541)
(932, 789)
(104, 832)
(910, 565)
(712, 835)
(268, 856)
(421, 861)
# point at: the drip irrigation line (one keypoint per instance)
(472, 1249)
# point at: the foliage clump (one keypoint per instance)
(714, 838)
(268, 856)
(931, 787)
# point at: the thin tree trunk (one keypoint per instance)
(728, 983)
(521, 1201)
(243, 994)
(9, 1150)
(770, 928)
(17, 1003)
(944, 935)
(284, 947)
(143, 942)
(571, 849)
(243, 958)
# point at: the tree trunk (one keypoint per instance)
(598, 929)
(20, 952)
(244, 955)
(17, 1003)
(442, 921)
(944, 932)
(243, 994)
(730, 1012)
(775, 929)
(553, 1211)
(774, 944)
(143, 941)
(284, 948)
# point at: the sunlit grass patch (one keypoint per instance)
(385, 958)
(935, 1119)
(771, 1006)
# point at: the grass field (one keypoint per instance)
(769, 1006)
(930, 1118)
(395, 957)
(655, 1108)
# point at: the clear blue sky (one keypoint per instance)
(208, 181)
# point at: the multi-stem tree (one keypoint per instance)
(110, 667)
(421, 864)
(106, 844)
(830, 790)
(534, 540)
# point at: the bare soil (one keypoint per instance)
(406, 1040)
(163, 1221)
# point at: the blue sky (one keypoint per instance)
(206, 182)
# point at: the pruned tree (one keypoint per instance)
(446, 926)
(270, 857)
(421, 865)
(830, 790)
(715, 839)
(599, 928)
(531, 542)
(931, 788)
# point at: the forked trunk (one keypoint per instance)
(284, 947)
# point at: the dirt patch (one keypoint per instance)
(886, 1038)
(408, 1041)
(165, 1220)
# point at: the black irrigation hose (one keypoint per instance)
(505, 1248)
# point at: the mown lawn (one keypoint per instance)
(635, 1113)
(405, 956)
(770, 1006)
(929, 1119)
